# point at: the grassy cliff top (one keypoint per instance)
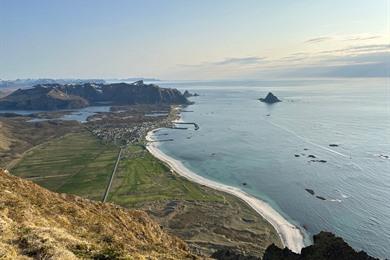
(37, 223)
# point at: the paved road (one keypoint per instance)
(112, 176)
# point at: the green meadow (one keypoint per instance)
(76, 163)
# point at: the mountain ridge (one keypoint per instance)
(73, 96)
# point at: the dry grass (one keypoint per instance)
(36, 223)
(18, 136)
(5, 140)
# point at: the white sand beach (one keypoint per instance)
(290, 235)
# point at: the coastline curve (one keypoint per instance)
(290, 235)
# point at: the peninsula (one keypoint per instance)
(73, 96)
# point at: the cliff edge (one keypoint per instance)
(38, 224)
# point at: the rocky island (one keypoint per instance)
(270, 99)
(188, 94)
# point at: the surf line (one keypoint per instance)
(306, 140)
(314, 144)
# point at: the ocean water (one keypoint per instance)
(81, 115)
(242, 140)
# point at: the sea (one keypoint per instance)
(81, 115)
(321, 157)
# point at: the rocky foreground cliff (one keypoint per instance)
(73, 96)
(38, 224)
(326, 246)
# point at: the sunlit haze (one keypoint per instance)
(176, 39)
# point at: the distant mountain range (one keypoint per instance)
(71, 96)
(134, 79)
(25, 83)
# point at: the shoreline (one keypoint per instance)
(289, 234)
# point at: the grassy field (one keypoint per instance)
(206, 219)
(17, 136)
(142, 178)
(76, 163)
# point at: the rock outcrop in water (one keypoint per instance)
(188, 94)
(56, 96)
(326, 247)
(270, 99)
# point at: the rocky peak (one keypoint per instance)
(270, 99)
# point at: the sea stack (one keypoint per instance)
(187, 94)
(270, 99)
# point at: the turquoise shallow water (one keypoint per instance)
(243, 140)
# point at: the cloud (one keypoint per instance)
(356, 60)
(361, 65)
(363, 38)
(319, 39)
(239, 61)
(251, 60)
(360, 49)
(371, 47)
(352, 38)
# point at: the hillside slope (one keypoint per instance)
(37, 223)
(41, 98)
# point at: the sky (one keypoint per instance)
(194, 39)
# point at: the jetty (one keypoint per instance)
(196, 126)
(163, 140)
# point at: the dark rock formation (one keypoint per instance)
(326, 247)
(187, 94)
(310, 191)
(56, 96)
(321, 161)
(270, 99)
(228, 254)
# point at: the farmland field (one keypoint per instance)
(76, 163)
(142, 178)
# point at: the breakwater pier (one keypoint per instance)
(196, 126)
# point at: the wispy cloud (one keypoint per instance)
(350, 38)
(375, 64)
(319, 39)
(251, 60)
(362, 38)
(355, 60)
(239, 61)
(360, 49)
